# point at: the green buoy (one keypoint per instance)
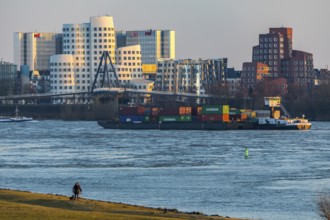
(246, 152)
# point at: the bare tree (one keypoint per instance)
(324, 206)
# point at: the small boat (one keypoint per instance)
(17, 118)
(4, 119)
(20, 119)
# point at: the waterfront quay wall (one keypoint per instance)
(61, 112)
(101, 108)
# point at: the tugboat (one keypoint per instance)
(278, 122)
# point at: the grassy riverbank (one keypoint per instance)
(30, 206)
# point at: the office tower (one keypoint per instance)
(35, 48)
(8, 79)
(155, 44)
(121, 39)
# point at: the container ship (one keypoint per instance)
(205, 117)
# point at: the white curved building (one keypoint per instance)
(128, 64)
(62, 74)
(86, 42)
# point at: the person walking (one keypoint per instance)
(76, 190)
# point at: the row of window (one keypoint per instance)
(128, 58)
(130, 75)
(266, 57)
(69, 76)
(87, 70)
(104, 46)
(104, 35)
(68, 70)
(76, 35)
(130, 64)
(129, 52)
(75, 41)
(248, 80)
(69, 87)
(275, 39)
(270, 45)
(69, 81)
(275, 51)
(104, 29)
(87, 29)
(75, 29)
(60, 64)
(66, 47)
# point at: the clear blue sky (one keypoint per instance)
(204, 29)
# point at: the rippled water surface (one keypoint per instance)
(189, 170)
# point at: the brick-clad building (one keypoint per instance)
(275, 50)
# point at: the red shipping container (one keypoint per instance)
(169, 111)
(211, 117)
(216, 117)
(140, 110)
(128, 111)
(154, 111)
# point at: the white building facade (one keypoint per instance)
(128, 64)
(83, 46)
(86, 43)
(62, 74)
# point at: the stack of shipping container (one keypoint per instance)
(203, 113)
(243, 114)
(135, 114)
(215, 113)
(181, 114)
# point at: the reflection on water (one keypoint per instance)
(189, 170)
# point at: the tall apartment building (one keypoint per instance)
(192, 76)
(35, 48)
(299, 69)
(275, 49)
(155, 44)
(252, 72)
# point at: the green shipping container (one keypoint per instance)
(168, 118)
(215, 109)
(211, 109)
(185, 118)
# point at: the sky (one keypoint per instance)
(204, 28)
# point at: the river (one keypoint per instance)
(203, 171)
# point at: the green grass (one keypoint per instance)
(33, 206)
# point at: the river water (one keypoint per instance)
(202, 171)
